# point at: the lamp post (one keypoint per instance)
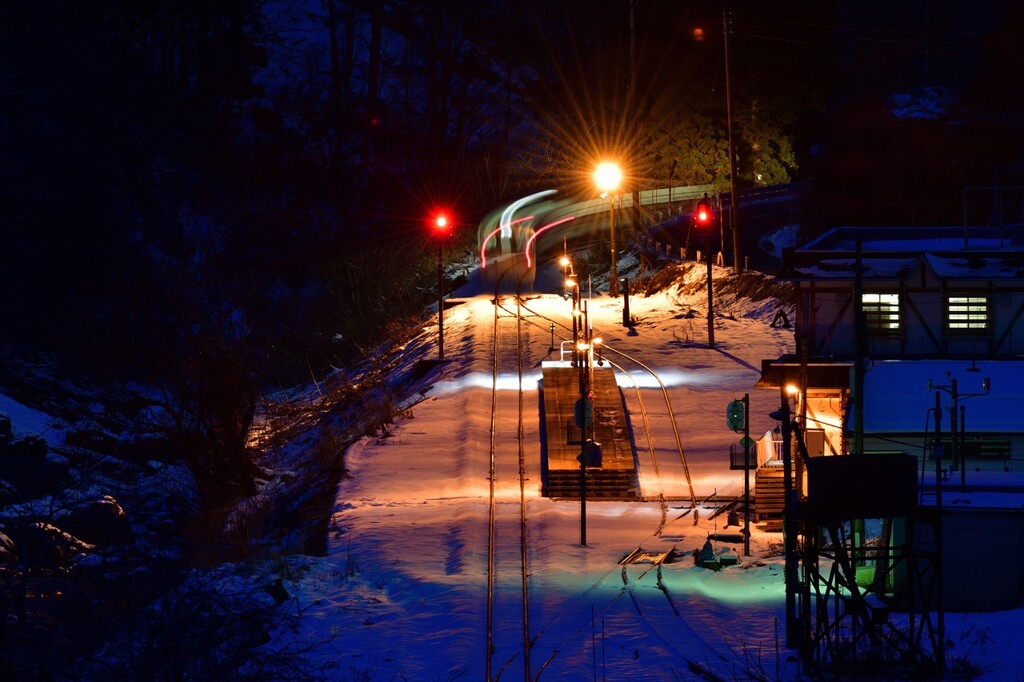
(441, 230)
(585, 412)
(746, 474)
(737, 416)
(567, 272)
(583, 409)
(627, 321)
(607, 177)
(589, 449)
(703, 219)
(573, 290)
(789, 524)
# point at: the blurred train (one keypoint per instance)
(514, 239)
(504, 254)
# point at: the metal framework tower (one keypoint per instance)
(867, 605)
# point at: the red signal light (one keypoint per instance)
(441, 223)
(702, 213)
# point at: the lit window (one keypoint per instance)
(881, 312)
(967, 314)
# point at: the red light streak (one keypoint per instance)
(483, 246)
(537, 233)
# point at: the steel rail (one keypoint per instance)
(672, 419)
(521, 457)
(490, 504)
(523, 549)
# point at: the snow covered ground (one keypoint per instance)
(401, 592)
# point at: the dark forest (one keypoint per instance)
(224, 197)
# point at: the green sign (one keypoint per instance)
(735, 415)
(583, 413)
(747, 442)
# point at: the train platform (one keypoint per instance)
(616, 476)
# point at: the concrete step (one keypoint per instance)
(770, 492)
(616, 484)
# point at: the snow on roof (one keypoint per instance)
(971, 266)
(871, 268)
(914, 239)
(896, 253)
(966, 266)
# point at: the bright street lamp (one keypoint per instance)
(608, 177)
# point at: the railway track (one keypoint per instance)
(507, 312)
(510, 643)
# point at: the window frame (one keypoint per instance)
(970, 323)
(878, 314)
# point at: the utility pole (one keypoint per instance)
(937, 456)
(711, 298)
(789, 526)
(703, 220)
(746, 474)
(584, 419)
(734, 198)
(440, 300)
(631, 113)
(442, 227)
(957, 423)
